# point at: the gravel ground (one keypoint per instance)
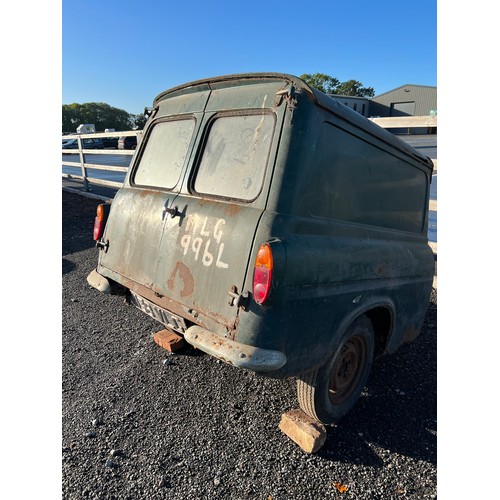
(139, 422)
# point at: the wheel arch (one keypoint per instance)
(382, 319)
(380, 312)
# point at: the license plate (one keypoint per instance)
(169, 319)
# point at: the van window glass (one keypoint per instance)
(235, 156)
(355, 181)
(165, 151)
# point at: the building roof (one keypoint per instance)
(402, 86)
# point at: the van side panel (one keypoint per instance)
(353, 180)
(335, 255)
(322, 282)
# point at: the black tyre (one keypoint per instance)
(329, 392)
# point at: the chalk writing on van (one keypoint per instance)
(204, 238)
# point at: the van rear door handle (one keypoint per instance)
(174, 212)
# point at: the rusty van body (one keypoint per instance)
(275, 229)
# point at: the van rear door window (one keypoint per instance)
(234, 159)
(164, 154)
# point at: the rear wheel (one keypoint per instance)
(329, 392)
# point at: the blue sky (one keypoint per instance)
(126, 52)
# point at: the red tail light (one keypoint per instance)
(263, 274)
(99, 222)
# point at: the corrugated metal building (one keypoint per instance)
(407, 100)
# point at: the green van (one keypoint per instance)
(275, 229)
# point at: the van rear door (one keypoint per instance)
(138, 212)
(183, 224)
(207, 240)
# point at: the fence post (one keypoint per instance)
(82, 165)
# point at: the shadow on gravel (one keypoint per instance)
(397, 412)
(77, 223)
(189, 350)
(344, 444)
(67, 266)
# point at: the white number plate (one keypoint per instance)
(169, 319)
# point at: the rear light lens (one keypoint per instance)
(99, 222)
(263, 273)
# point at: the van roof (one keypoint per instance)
(321, 99)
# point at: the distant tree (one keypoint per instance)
(331, 85)
(354, 88)
(70, 117)
(102, 115)
(320, 81)
(139, 120)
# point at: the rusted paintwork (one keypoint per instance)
(263, 158)
(234, 353)
(185, 277)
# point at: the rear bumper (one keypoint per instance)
(235, 353)
(99, 282)
(232, 352)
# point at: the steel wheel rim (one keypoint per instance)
(347, 369)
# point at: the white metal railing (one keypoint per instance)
(84, 165)
(406, 121)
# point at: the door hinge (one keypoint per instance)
(102, 245)
(237, 299)
(288, 94)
